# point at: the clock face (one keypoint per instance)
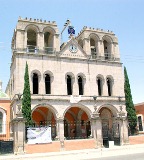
(73, 48)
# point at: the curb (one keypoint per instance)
(86, 152)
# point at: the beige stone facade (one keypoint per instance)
(65, 79)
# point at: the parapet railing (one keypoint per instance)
(52, 51)
(35, 50)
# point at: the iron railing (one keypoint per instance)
(52, 52)
(72, 130)
(49, 50)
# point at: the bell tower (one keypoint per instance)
(99, 44)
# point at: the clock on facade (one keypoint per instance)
(73, 48)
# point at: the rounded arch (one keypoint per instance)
(81, 80)
(94, 36)
(84, 108)
(112, 108)
(32, 27)
(36, 72)
(2, 108)
(101, 77)
(110, 83)
(49, 29)
(100, 82)
(3, 120)
(111, 78)
(54, 111)
(107, 38)
(70, 74)
(48, 72)
(82, 75)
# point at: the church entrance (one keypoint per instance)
(76, 124)
(110, 127)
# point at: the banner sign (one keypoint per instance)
(39, 135)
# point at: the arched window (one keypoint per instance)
(31, 40)
(1, 122)
(109, 85)
(99, 83)
(93, 48)
(35, 83)
(69, 85)
(80, 85)
(106, 53)
(48, 42)
(47, 84)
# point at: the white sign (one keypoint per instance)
(39, 135)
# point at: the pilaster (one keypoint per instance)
(123, 129)
(60, 125)
(19, 132)
(96, 129)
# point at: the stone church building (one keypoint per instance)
(76, 86)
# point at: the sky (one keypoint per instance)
(124, 17)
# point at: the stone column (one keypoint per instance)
(56, 42)
(19, 132)
(96, 129)
(101, 49)
(123, 129)
(40, 41)
(60, 125)
(86, 46)
(25, 39)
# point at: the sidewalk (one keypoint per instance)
(83, 154)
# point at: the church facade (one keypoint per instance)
(77, 87)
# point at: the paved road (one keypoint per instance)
(137, 156)
(134, 152)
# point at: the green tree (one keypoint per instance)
(26, 100)
(131, 113)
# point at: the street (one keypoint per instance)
(137, 156)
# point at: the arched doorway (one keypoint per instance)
(76, 124)
(44, 117)
(110, 127)
(107, 122)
